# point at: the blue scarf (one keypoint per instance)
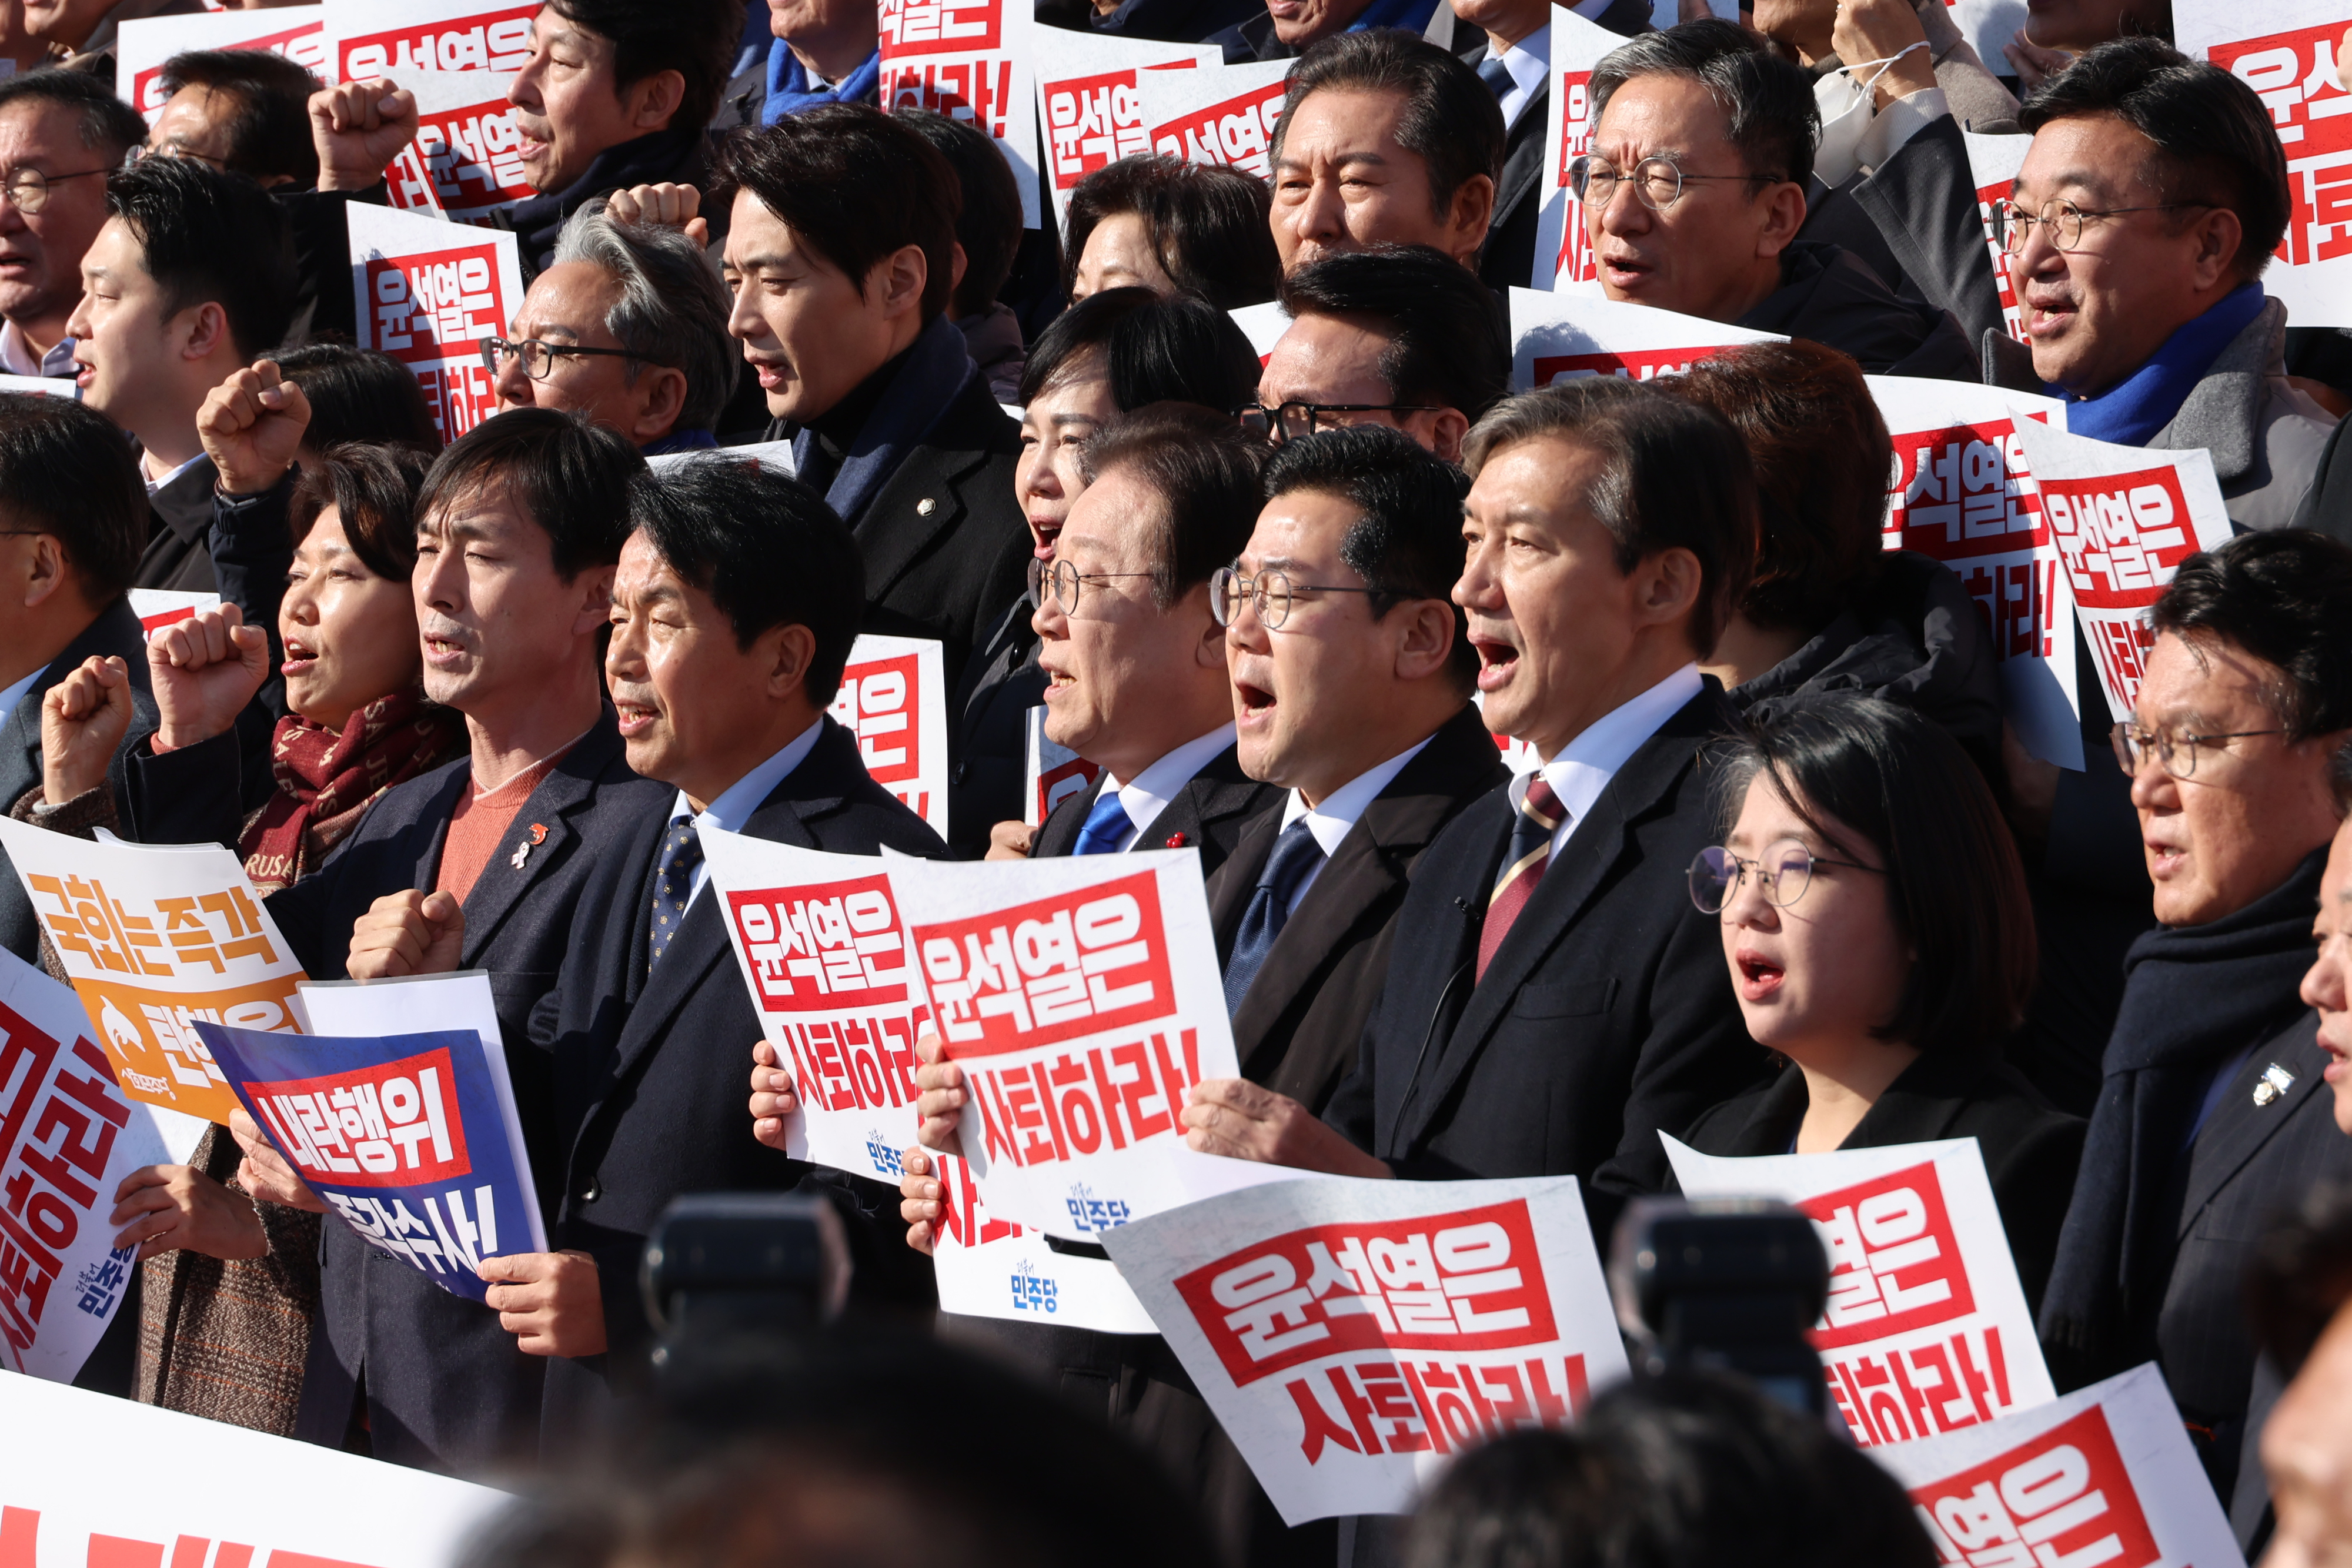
(1412, 16)
(788, 85)
(695, 439)
(2130, 413)
(937, 368)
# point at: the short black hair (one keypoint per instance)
(568, 475)
(2215, 144)
(1406, 541)
(1767, 102)
(765, 547)
(1676, 476)
(2301, 1274)
(374, 491)
(1448, 342)
(2285, 598)
(1202, 469)
(207, 236)
(989, 228)
(1955, 883)
(1451, 121)
(108, 126)
(359, 394)
(1154, 350)
(269, 130)
(65, 470)
(1207, 224)
(855, 185)
(695, 38)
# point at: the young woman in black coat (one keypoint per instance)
(1875, 920)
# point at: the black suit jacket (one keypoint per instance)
(1508, 260)
(989, 743)
(1297, 1029)
(1210, 814)
(1606, 1015)
(178, 555)
(2030, 1151)
(1913, 220)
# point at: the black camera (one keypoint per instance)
(728, 1262)
(1724, 1284)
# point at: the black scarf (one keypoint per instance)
(648, 160)
(2194, 997)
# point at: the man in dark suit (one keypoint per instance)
(841, 254)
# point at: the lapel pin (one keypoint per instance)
(1175, 841)
(523, 850)
(2275, 1082)
(926, 506)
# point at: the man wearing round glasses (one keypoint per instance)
(61, 134)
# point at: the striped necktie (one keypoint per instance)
(1541, 815)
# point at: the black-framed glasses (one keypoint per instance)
(28, 188)
(538, 357)
(1066, 583)
(1270, 593)
(1657, 180)
(2176, 754)
(2063, 221)
(140, 152)
(1290, 421)
(1782, 873)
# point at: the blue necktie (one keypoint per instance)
(1496, 76)
(681, 851)
(1295, 855)
(1107, 826)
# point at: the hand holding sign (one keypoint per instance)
(250, 425)
(772, 1099)
(359, 128)
(548, 1300)
(166, 1209)
(1235, 1118)
(941, 1094)
(203, 670)
(264, 1172)
(918, 1201)
(83, 720)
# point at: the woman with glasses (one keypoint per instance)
(1876, 926)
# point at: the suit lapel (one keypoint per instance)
(1358, 876)
(1524, 160)
(539, 831)
(2239, 1127)
(1059, 835)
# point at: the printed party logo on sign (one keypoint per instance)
(1050, 970)
(1895, 1261)
(877, 702)
(823, 947)
(2063, 1499)
(385, 1125)
(494, 39)
(57, 1133)
(2295, 74)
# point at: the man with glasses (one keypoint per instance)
(61, 132)
(2212, 1111)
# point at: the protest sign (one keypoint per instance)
(1993, 164)
(229, 1496)
(427, 293)
(45, 386)
(1091, 102)
(1960, 491)
(1926, 1329)
(1563, 245)
(2105, 1475)
(465, 164)
(159, 607)
(894, 699)
(1558, 337)
(1987, 24)
(142, 46)
(1353, 1335)
(776, 456)
(155, 939)
(970, 60)
(991, 1268)
(395, 37)
(2123, 517)
(1217, 114)
(1055, 772)
(1263, 325)
(2286, 51)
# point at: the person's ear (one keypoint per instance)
(1665, 587)
(206, 330)
(1468, 215)
(43, 571)
(2218, 235)
(1783, 216)
(1209, 649)
(651, 103)
(594, 585)
(1426, 644)
(661, 394)
(788, 651)
(898, 281)
(958, 263)
(1447, 426)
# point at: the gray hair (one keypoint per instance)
(672, 309)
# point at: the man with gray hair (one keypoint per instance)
(629, 328)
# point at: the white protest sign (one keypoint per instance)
(45, 386)
(1089, 101)
(970, 60)
(1993, 164)
(427, 293)
(1561, 237)
(271, 1502)
(1926, 1329)
(154, 939)
(894, 699)
(160, 606)
(991, 1268)
(1960, 491)
(1263, 325)
(2105, 1475)
(1217, 114)
(466, 163)
(776, 456)
(1987, 24)
(2123, 517)
(2286, 50)
(1558, 337)
(142, 46)
(1055, 772)
(393, 37)
(1353, 1335)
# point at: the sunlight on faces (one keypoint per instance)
(1046, 479)
(2306, 1449)
(1120, 254)
(40, 254)
(349, 635)
(810, 332)
(1299, 23)
(194, 124)
(568, 305)
(566, 105)
(497, 623)
(1336, 359)
(2327, 987)
(128, 342)
(1345, 182)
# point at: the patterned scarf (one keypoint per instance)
(327, 782)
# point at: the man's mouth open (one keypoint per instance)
(635, 717)
(1497, 662)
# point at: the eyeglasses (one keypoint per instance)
(538, 357)
(2175, 753)
(139, 152)
(1065, 582)
(1271, 593)
(28, 188)
(1782, 873)
(2064, 221)
(1292, 420)
(1657, 180)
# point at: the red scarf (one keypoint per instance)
(327, 782)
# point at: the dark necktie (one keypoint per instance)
(1295, 855)
(1541, 815)
(1107, 826)
(1496, 76)
(681, 851)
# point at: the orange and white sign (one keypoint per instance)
(466, 163)
(1993, 164)
(1090, 100)
(1558, 337)
(395, 37)
(427, 293)
(1055, 772)
(1926, 1329)
(141, 46)
(894, 699)
(970, 60)
(160, 606)
(1353, 1337)
(1218, 114)
(1577, 47)
(154, 938)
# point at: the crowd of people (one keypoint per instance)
(1781, 878)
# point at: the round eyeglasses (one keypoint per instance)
(1657, 180)
(2063, 221)
(28, 188)
(2176, 754)
(1782, 873)
(1066, 583)
(1270, 593)
(1292, 421)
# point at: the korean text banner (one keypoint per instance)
(466, 163)
(142, 45)
(1577, 47)
(1217, 114)
(427, 293)
(1928, 1329)
(2124, 519)
(402, 1135)
(155, 940)
(970, 60)
(894, 699)
(991, 1268)
(1055, 773)
(1960, 491)
(1091, 102)
(396, 38)
(1558, 337)
(1263, 325)
(2286, 51)
(1993, 164)
(1352, 1335)
(251, 1501)
(159, 607)
(2104, 1476)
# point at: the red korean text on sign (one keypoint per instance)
(1576, 263)
(823, 946)
(302, 44)
(373, 1126)
(1081, 1102)
(1892, 1394)
(1076, 963)
(964, 1214)
(20, 1530)
(1990, 199)
(1091, 121)
(977, 91)
(1058, 783)
(2294, 73)
(2121, 539)
(474, 155)
(1963, 494)
(435, 307)
(1637, 364)
(1413, 1405)
(490, 40)
(1237, 134)
(880, 703)
(57, 1133)
(2063, 1500)
(938, 26)
(1895, 1262)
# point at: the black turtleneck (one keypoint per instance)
(836, 430)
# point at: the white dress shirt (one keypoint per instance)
(155, 484)
(1530, 62)
(1335, 819)
(1152, 788)
(16, 356)
(1583, 768)
(15, 695)
(734, 805)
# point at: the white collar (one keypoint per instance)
(1331, 821)
(731, 809)
(1584, 767)
(1528, 60)
(1149, 794)
(153, 486)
